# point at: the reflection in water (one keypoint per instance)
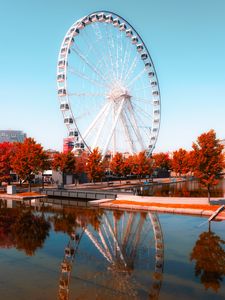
(184, 189)
(124, 241)
(210, 260)
(22, 229)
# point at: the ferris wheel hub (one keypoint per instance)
(117, 93)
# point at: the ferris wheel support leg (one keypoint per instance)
(96, 244)
(104, 244)
(106, 111)
(127, 134)
(95, 120)
(113, 127)
(127, 230)
(115, 240)
(135, 126)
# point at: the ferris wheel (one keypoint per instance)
(107, 86)
(122, 244)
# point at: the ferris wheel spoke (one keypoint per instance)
(136, 77)
(135, 99)
(113, 127)
(142, 111)
(103, 109)
(84, 76)
(96, 50)
(141, 89)
(132, 67)
(110, 43)
(91, 66)
(84, 94)
(124, 60)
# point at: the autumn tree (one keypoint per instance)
(208, 159)
(81, 162)
(180, 162)
(64, 162)
(6, 153)
(142, 165)
(29, 159)
(127, 165)
(94, 166)
(161, 160)
(116, 164)
(209, 257)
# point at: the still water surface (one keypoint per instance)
(83, 253)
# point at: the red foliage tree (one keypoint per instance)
(127, 165)
(142, 165)
(161, 160)
(180, 162)
(116, 164)
(64, 162)
(6, 152)
(208, 159)
(81, 162)
(29, 159)
(209, 256)
(94, 166)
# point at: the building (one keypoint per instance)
(12, 136)
(68, 144)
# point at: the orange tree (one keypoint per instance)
(29, 159)
(180, 162)
(6, 152)
(208, 159)
(94, 166)
(127, 165)
(209, 255)
(64, 163)
(142, 165)
(116, 164)
(161, 160)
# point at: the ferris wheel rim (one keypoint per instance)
(69, 35)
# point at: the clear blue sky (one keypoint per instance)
(186, 40)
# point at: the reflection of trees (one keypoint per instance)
(66, 220)
(210, 260)
(22, 230)
(30, 231)
(7, 218)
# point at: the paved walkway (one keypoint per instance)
(109, 204)
(168, 200)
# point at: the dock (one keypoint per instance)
(79, 194)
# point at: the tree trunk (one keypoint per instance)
(208, 189)
(29, 185)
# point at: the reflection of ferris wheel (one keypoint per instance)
(107, 86)
(124, 242)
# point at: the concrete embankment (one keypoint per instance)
(175, 205)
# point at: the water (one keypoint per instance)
(109, 255)
(184, 189)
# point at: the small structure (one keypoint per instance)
(11, 189)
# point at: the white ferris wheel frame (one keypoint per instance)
(115, 20)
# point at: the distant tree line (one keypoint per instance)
(205, 161)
